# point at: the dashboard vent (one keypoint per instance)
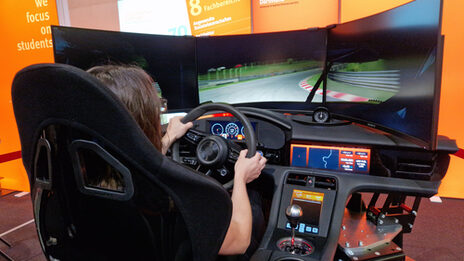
(325, 183)
(415, 169)
(297, 179)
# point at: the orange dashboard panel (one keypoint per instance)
(345, 159)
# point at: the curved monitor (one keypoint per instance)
(386, 69)
(170, 60)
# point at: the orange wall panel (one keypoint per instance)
(355, 9)
(284, 15)
(226, 17)
(452, 94)
(26, 39)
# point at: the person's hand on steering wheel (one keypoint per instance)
(238, 236)
(249, 169)
(176, 129)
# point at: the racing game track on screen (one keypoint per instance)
(274, 67)
(391, 60)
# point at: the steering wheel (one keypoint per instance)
(214, 151)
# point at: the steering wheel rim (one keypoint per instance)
(250, 135)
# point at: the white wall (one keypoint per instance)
(93, 14)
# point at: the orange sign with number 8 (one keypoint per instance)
(195, 8)
(219, 17)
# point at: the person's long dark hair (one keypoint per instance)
(135, 88)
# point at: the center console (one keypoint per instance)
(315, 195)
(317, 183)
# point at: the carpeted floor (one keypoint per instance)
(438, 233)
(16, 214)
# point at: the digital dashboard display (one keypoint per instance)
(231, 130)
(311, 204)
(331, 158)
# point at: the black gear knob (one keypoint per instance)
(293, 213)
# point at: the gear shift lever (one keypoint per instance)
(293, 213)
(294, 246)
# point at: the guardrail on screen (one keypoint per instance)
(379, 80)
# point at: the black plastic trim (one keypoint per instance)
(38, 182)
(92, 191)
(266, 115)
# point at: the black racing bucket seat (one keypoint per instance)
(74, 135)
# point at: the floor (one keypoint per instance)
(438, 233)
(18, 229)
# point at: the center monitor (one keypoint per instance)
(272, 67)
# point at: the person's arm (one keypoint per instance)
(176, 129)
(238, 235)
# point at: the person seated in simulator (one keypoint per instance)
(134, 87)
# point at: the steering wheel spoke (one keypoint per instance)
(207, 171)
(234, 152)
(194, 136)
